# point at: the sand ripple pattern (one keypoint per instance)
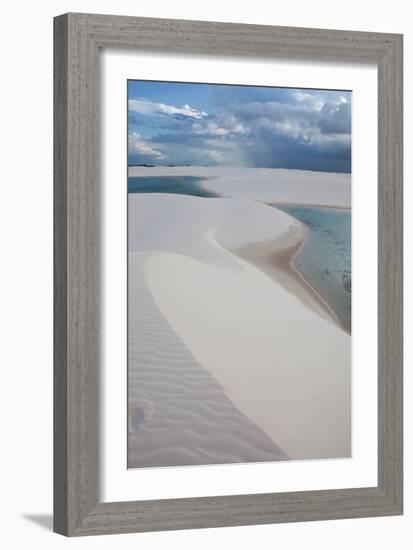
(178, 413)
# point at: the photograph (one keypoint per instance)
(239, 274)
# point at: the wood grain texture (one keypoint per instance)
(76, 277)
(60, 450)
(78, 38)
(390, 273)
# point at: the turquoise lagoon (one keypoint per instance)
(183, 185)
(325, 258)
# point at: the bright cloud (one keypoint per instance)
(146, 107)
(137, 145)
(315, 101)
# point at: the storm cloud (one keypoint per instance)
(239, 126)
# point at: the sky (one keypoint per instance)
(212, 124)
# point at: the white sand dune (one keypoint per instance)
(280, 369)
(270, 185)
(178, 412)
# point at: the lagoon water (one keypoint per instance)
(183, 185)
(325, 259)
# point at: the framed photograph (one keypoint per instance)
(228, 274)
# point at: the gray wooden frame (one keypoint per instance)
(78, 39)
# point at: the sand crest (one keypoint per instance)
(281, 365)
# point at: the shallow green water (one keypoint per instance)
(182, 185)
(325, 259)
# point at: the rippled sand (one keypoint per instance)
(227, 362)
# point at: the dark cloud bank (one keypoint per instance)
(257, 127)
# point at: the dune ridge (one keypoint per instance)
(283, 365)
(178, 413)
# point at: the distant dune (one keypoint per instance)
(271, 185)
